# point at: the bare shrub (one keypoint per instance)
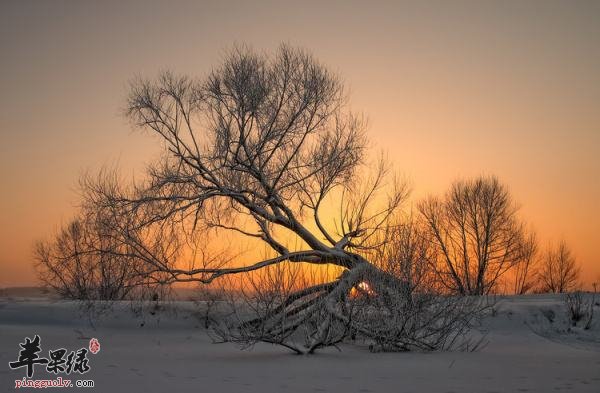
(588, 323)
(576, 306)
(580, 309)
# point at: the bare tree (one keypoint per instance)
(258, 149)
(477, 234)
(559, 272)
(525, 271)
(84, 262)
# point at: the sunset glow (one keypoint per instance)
(362, 289)
(300, 196)
(451, 91)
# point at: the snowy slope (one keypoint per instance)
(170, 352)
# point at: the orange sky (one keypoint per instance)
(451, 89)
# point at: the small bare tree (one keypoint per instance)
(525, 271)
(477, 234)
(63, 266)
(560, 271)
(84, 262)
(258, 150)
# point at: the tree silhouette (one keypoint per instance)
(559, 272)
(259, 149)
(477, 234)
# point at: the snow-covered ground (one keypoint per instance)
(171, 352)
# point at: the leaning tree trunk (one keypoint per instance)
(364, 303)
